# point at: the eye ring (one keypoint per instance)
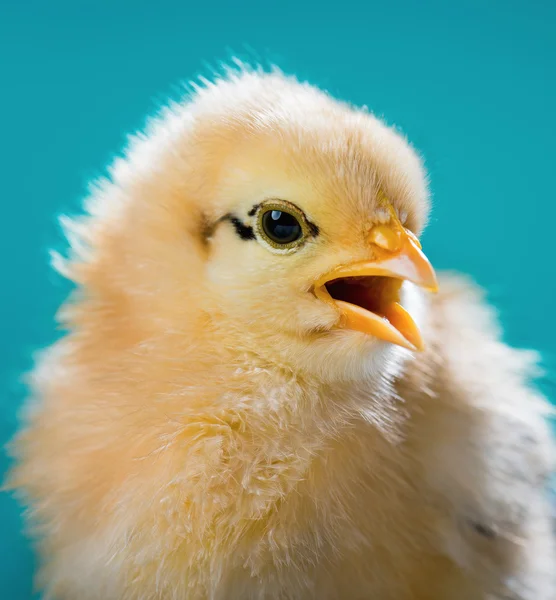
(281, 226)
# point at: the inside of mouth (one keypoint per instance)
(372, 293)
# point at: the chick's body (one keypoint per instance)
(209, 429)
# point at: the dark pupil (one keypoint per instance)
(281, 227)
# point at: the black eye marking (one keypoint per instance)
(314, 229)
(245, 232)
(206, 229)
(483, 530)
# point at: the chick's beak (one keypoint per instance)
(367, 293)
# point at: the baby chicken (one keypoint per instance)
(259, 396)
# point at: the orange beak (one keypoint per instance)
(367, 293)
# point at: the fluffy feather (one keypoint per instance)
(203, 430)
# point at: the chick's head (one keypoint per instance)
(271, 219)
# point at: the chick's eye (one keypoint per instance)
(281, 227)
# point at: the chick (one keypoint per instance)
(259, 396)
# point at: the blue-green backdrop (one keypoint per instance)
(472, 83)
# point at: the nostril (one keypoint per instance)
(386, 237)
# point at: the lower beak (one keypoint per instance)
(366, 294)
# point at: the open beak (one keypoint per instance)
(367, 293)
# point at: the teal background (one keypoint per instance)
(471, 83)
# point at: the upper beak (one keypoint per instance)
(371, 305)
